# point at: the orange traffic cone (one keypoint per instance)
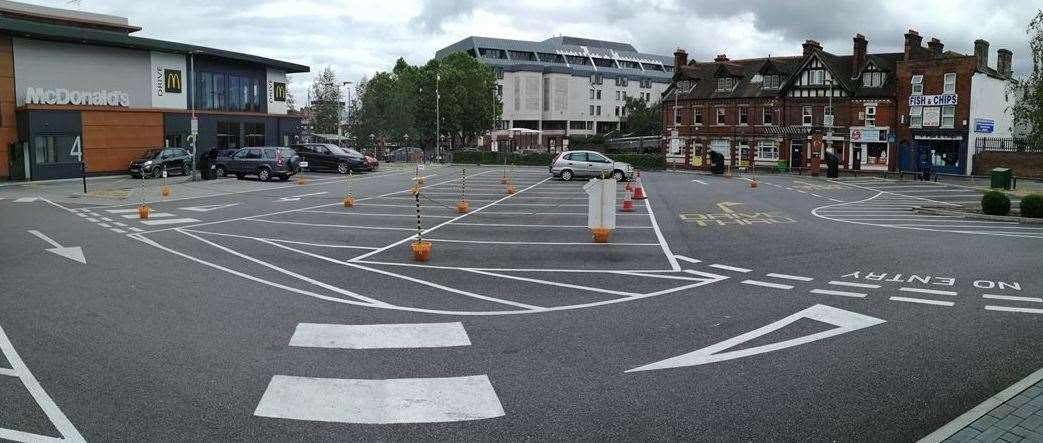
(628, 203)
(639, 189)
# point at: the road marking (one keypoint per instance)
(58, 419)
(554, 283)
(106, 219)
(767, 284)
(699, 181)
(840, 293)
(662, 240)
(790, 277)
(403, 400)
(294, 198)
(372, 214)
(121, 211)
(80, 214)
(726, 207)
(122, 225)
(382, 336)
(74, 253)
(118, 231)
(151, 215)
(687, 259)
(495, 242)
(26, 200)
(279, 240)
(923, 301)
(325, 225)
(92, 220)
(208, 208)
(168, 221)
(730, 268)
(845, 321)
(853, 284)
(1013, 309)
(927, 291)
(105, 225)
(136, 229)
(1013, 298)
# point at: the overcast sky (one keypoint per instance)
(360, 37)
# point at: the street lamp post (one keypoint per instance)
(194, 124)
(438, 118)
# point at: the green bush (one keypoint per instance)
(995, 203)
(639, 161)
(1032, 206)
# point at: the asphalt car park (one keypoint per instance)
(799, 309)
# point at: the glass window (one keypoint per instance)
(234, 103)
(870, 116)
(254, 134)
(950, 83)
(599, 94)
(948, 116)
(220, 91)
(806, 117)
(916, 116)
(724, 84)
(720, 116)
(767, 150)
(772, 82)
(744, 115)
(578, 156)
(55, 149)
(599, 110)
(827, 116)
(917, 85)
(228, 135)
(591, 109)
(766, 116)
(597, 158)
(873, 79)
(698, 118)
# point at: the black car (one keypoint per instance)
(266, 162)
(329, 157)
(154, 162)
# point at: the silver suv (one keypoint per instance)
(589, 164)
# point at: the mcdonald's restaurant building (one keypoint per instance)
(77, 86)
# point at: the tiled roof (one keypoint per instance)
(705, 76)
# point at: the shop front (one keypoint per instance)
(868, 148)
(944, 150)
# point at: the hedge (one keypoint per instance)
(639, 161)
(1032, 206)
(995, 203)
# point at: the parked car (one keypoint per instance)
(154, 162)
(589, 164)
(372, 162)
(266, 162)
(330, 157)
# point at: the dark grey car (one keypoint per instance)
(266, 162)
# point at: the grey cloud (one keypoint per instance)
(435, 12)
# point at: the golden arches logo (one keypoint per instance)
(279, 91)
(172, 81)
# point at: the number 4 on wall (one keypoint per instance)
(77, 150)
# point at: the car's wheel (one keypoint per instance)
(159, 171)
(264, 174)
(239, 175)
(220, 171)
(566, 175)
(343, 168)
(618, 175)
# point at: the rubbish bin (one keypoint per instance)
(1002, 178)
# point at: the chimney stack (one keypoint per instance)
(858, 60)
(721, 58)
(1003, 59)
(936, 47)
(912, 41)
(811, 46)
(981, 53)
(680, 59)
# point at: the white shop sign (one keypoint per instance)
(933, 100)
(932, 117)
(62, 96)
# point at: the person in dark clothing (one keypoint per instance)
(208, 164)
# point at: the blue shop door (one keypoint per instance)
(907, 157)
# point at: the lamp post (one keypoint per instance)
(438, 117)
(194, 124)
(347, 106)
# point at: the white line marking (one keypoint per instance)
(1013, 309)
(687, 259)
(122, 225)
(841, 293)
(45, 238)
(662, 240)
(80, 214)
(522, 225)
(767, 284)
(494, 242)
(403, 400)
(853, 284)
(168, 221)
(927, 291)
(25, 200)
(136, 229)
(105, 225)
(121, 211)
(92, 220)
(699, 181)
(279, 240)
(46, 403)
(1013, 298)
(380, 336)
(554, 283)
(372, 214)
(106, 219)
(730, 268)
(324, 225)
(923, 301)
(118, 231)
(320, 284)
(790, 277)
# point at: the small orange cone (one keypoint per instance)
(462, 207)
(349, 201)
(639, 189)
(421, 250)
(301, 181)
(628, 203)
(165, 191)
(600, 235)
(510, 189)
(753, 183)
(143, 211)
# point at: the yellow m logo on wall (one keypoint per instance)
(279, 91)
(172, 81)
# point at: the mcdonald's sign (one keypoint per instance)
(279, 91)
(172, 81)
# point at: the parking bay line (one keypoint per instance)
(403, 400)
(922, 301)
(853, 284)
(729, 268)
(518, 225)
(554, 283)
(927, 291)
(766, 284)
(1012, 298)
(498, 242)
(1013, 309)
(371, 214)
(790, 277)
(168, 221)
(840, 293)
(326, 225)
(380, 336)
(319, 245)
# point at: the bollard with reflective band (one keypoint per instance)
(462, 207)
(165, 191)
(601, 208)
(421, 249)
(600, 235)
(301, 181)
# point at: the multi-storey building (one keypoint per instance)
(951, 104)
(564, 86)
(771, 107)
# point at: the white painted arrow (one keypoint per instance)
(71, 252)
(298, 197)
(845, 321)
(208, 208)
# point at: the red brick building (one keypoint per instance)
(771, 107)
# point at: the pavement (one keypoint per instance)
(799, 309)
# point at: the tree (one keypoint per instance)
(1028, 110)
(291, 103)
(325, 102)
(641, 119)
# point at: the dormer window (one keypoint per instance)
(772, 82)
(873, 79)
(725, 84)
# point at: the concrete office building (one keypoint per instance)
(78, 86)
(564, 86)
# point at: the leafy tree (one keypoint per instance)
(1028, 111)
(291, 103)
(641, 119)
(326, 102)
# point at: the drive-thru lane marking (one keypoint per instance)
(380, 336)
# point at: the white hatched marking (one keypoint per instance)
(1013, 309)
(730, 268)
(122, 211)
(923, 301)
(168, 221)
(105, 225)
(840, 293)
(382, 336)
(92, 220)
(403, 400)
(136, 229)
(118, 231)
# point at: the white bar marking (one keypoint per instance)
(853, 284)
(169, 221)
(730, 268)
(1012, 298)
(927, 291)
(1013, 309)
(840, 293)
(384, 336)
(923, 301)
(790, 277)
(687, 259)
(767, 284)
